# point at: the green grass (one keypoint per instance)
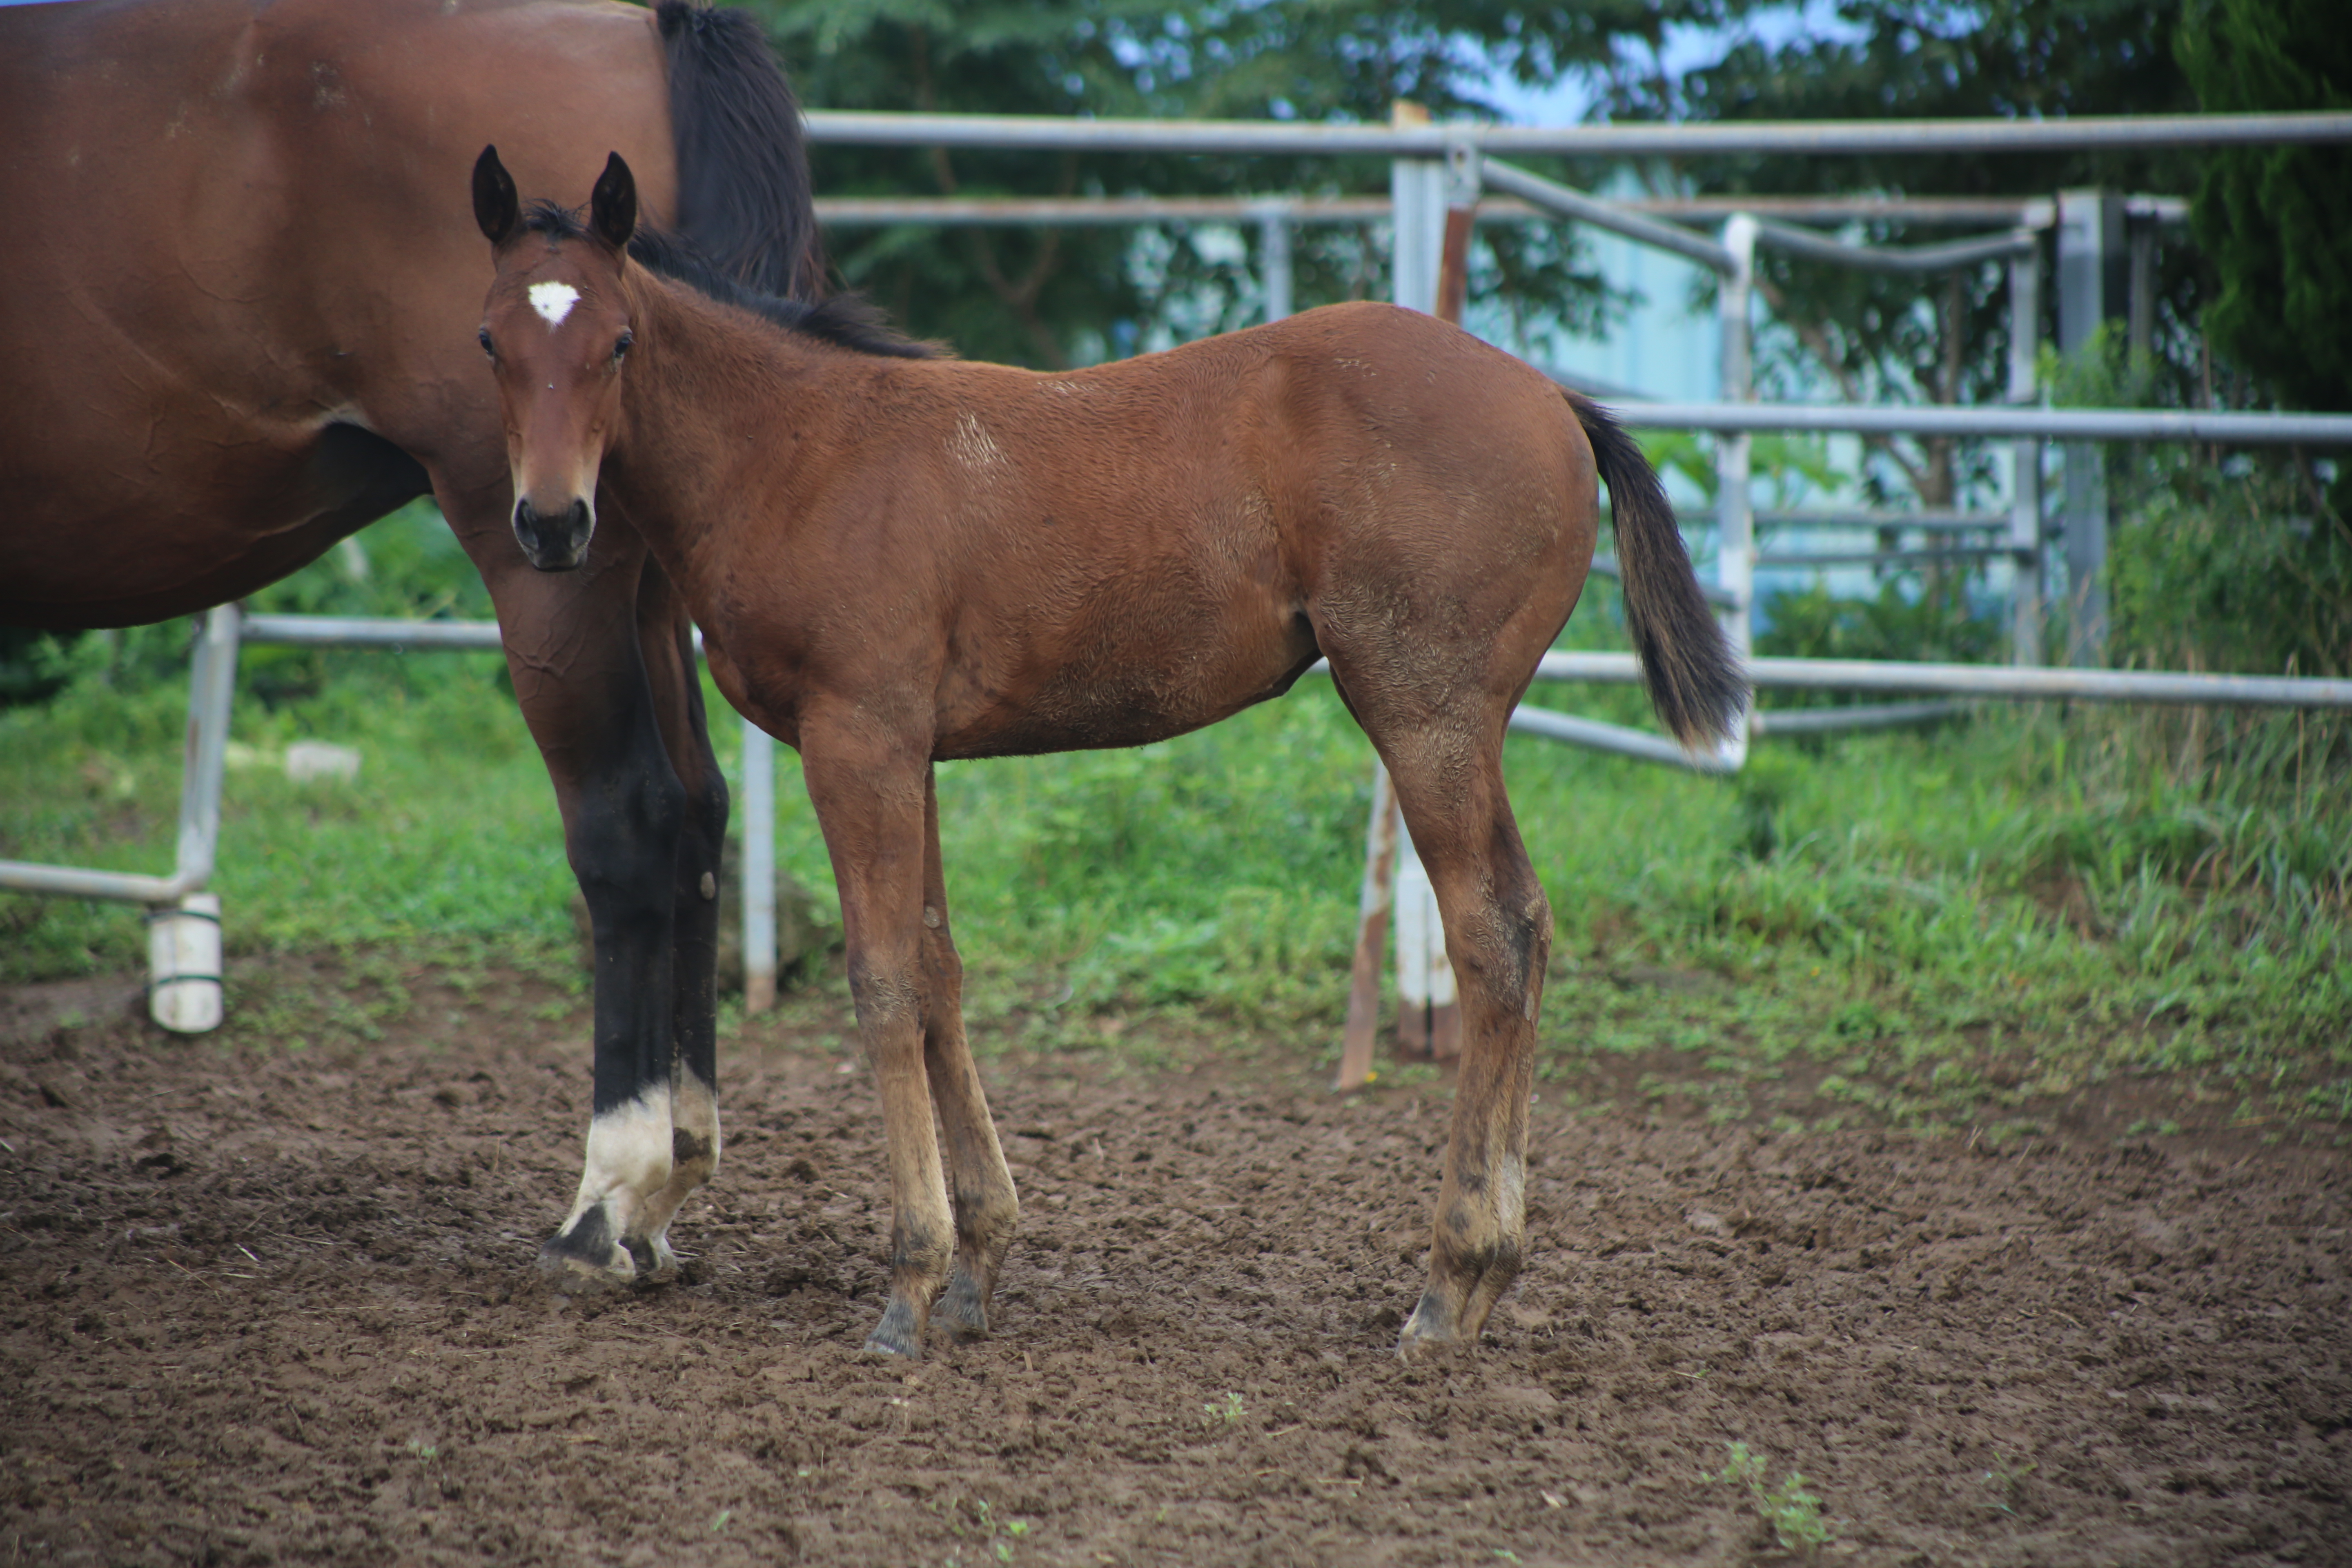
(451, 829)
(1791, 1513)
(1914, 928)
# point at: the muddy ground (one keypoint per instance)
(269, 1305)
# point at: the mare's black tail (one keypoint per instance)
(1695, 682)
(744, 202)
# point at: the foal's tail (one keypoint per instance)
(1695, 680)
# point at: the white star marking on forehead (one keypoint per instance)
(553, 302)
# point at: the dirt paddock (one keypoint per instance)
(277, 1305)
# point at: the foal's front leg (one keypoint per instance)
(868, 790)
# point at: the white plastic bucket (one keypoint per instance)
(183, 964)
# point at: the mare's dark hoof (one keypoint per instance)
(567, 1273)
(586, 1256)
(653, 1261)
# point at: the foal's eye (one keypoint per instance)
(483, 337)
(621, 348)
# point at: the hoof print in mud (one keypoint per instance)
(565, 1276)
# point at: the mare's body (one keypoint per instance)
(896, 560)
(237, 309)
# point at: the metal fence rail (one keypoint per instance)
(1565, 202)
(1727, 137)
(962, 211)
(2216, 428)
(1898, 258)
(2017, 682)
(368, 631)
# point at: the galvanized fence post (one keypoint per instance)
(2025, 460)
(1735, 513)
(2092, 274)
(1274, 264)
(759, 817)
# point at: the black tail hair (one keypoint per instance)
(1695, 679)
(744, 200)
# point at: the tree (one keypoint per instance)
(2276, 227)
(2276, 222)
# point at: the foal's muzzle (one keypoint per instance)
(555, 542)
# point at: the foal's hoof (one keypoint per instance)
(1429, 1332)
(897, 1334)
(960, 1311)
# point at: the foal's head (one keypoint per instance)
(556, 326)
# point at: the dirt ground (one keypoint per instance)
(266, 1305)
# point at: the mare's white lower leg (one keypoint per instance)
(628, 1166)
(694, 1160)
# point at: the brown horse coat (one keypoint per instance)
(237, 311)
(896, 560)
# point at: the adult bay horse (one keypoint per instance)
(896, 559)
(236, 318)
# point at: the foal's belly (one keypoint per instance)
(1124, 691)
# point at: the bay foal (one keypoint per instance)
(897, 557)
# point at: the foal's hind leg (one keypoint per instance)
(987, 1209)
(1449, 781)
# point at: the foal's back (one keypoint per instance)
(1138, 549)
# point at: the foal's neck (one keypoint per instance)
(716, 401)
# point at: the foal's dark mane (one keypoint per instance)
(844, 320)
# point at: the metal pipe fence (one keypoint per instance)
(211, 685)
(1421, 196)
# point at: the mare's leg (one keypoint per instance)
(987, 1209)
(580, 676)
(1445, 756)
(869, 780)
(666, 639)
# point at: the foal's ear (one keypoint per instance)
(496, 206)
(613, 204)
